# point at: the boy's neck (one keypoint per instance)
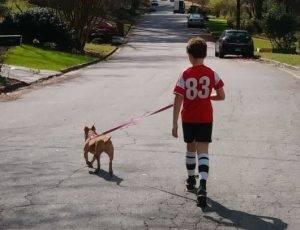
(198, 61)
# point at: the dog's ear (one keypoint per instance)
(86, 129)
(93, 128)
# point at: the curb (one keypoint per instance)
(9, 88)
(277, 63)
(76, 67)
(19, 85)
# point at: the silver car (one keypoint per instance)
(195, 20)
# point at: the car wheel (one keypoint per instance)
(221, 54)
(249, 54)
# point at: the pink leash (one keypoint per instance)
(135, 120)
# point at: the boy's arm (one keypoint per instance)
(176, 109)
(219, 96)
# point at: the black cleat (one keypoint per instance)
(190, 183)
(201, 198)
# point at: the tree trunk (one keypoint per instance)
(238, 13)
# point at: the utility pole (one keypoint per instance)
(238, 14)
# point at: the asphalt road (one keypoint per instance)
(254, 180)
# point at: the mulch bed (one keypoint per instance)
(4, 81)
(8, 84)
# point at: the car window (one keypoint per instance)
(195, 16)
(238, 37)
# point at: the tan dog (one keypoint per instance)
(97, 144)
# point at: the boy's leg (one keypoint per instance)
(203, 167)
(191, 165)
(203, 163)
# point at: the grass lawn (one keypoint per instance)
(216, 26)
(291, 59)
(102, 49)
(126, 28)
(13, 5)
(39, 58)
(261, 43)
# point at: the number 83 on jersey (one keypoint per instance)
(192, 91)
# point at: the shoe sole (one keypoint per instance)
(201, 201)
(191, 190)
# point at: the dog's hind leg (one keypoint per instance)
(97, 156)
(111, 157)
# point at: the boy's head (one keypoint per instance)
(197, 48)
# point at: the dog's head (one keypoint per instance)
(89, 132)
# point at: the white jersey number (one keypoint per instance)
(192, 91)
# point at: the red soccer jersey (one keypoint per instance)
(195, 84)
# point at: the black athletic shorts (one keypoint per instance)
(198, 132)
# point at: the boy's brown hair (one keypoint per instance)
(197, 47)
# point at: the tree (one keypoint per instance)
(256, 8)
(223, 7)
(238, 14)
(3, 9)
(201, 3)
(280, 26)
(81, 14)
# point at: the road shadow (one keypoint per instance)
(241, 57)
(241, 219)
(236, 219)
(106, 176)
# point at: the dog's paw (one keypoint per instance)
(89, 164)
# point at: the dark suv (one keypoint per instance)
(237, 42)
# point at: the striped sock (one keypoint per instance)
(203, 167)
(190, 160)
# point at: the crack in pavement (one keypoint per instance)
(27, 196)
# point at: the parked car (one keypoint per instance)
(238, 42)
(152, 9)
(154, 3)
(195, 20)
(103, 31)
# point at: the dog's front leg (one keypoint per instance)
(90, 164)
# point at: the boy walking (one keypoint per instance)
(194, 91)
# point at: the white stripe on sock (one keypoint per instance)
(191, 172)
(200, 155)
(203, 175)
(190, 161)
(190, 154)
(203, 162)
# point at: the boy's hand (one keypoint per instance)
(174, 131)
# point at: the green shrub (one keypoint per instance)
(280, 27)
(247, 23)
(40, 24)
